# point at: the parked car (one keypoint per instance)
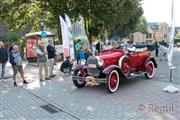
(111, 66)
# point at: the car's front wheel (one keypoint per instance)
(77, 83)
(112, 81)
(150, 70)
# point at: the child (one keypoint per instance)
(81, 55)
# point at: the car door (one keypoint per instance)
(134, 57)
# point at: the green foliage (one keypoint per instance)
(11, 37)
(117, 17)
(178, 35)
(17, 14)
(57, 42)
(22, 41)
(142, 26)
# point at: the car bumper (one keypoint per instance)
(90, 79)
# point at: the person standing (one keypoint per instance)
(163, 52)
(51, 55)
(42, 59)
(156, 49)
(87, 54)
(11, 48)
(98, 46)
(3, 59)
(16, 62)
(78, 47)
(81, 55)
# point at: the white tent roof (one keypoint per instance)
(39, 33)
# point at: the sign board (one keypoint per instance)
(43, 34)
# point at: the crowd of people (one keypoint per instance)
(82, 52)
(46, 56)
(16, 60)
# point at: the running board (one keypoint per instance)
(132, 75)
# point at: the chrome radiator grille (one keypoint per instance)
(93, 67)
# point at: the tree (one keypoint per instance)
(142, 25)
(17, 14)
(117, 17)
(178, 35)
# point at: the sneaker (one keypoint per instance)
(25, 82)
(15, 84)
(53, 75)
(47, 79)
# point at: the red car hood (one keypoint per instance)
(111, 57)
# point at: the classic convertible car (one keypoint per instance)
(111, 66)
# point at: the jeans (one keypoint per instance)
(2, 69)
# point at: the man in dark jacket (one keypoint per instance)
(98, 47)
(3, 59)
(66, 66)
(51, 55)
(156, 48)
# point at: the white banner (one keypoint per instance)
(171, 41)
(71, 42)
(65, 38)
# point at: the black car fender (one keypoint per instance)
(81, 68)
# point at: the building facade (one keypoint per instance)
(158, 32)
(139, 37)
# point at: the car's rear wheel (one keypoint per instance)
(77, 83)
(112, 81)
(150, 70)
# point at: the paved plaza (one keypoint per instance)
(136, 99)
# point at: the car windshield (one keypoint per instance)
(123, 46)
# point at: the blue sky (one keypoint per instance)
(160, 11)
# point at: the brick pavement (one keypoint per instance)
(136, 99)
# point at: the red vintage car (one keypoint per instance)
(111, 66)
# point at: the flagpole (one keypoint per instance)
(170, 88)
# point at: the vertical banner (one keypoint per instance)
(71, 42)
(65, 38)
(171, 41)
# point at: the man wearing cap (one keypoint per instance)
(131, 46)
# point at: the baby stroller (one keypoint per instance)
(66, 66)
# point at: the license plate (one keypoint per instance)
(92, 65)
(89, 78)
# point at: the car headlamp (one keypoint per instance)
(100, 61)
